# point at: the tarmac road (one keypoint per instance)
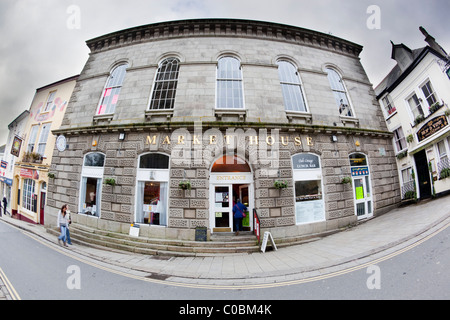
(36, 269)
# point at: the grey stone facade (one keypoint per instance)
(198, 44)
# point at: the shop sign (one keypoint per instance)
(360, 171)
(15, 148)
(431, 127)
(305, 161)
(4, 164)
(29, 174)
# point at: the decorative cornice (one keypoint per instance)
(223, 28)
(301, 128)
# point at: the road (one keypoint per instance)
(38, 270)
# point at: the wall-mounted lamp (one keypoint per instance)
(121, 136)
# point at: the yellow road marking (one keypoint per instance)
(12, 292)
(246, 286)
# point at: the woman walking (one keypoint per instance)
(62, 223)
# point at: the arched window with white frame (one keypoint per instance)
(230, 91)
(111, 93)
(291, 86)
(165, 86)
(340, 93)
(152, 189)
(91, 184)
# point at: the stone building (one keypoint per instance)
(171, 123)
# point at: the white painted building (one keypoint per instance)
(414, 97)
(12, 149)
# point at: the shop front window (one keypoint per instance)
(152, 189)
(29, 200)
(91, 184)
(309, 202)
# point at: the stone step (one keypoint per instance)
(121, 242)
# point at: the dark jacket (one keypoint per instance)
(239, 210)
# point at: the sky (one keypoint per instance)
(44, 41)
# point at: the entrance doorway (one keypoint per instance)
(42, 203)
(361, 184)
(423, 174)
(231, 179)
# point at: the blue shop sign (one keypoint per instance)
(360, 171)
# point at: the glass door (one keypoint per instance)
(223, 207)
(363, 196)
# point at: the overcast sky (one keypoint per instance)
(38, 48)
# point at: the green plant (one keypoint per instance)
(185, 185)
(434, 107)
(410, 138)
(51, 175)
(401, 155)
(280, 184)
(110, 181)
(346, 180)
(445, 173)
(419, 119)
(409, 195)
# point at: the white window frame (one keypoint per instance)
(388, 102)
(152, 175)
(400, 139)
(308, 175)
(433, 93)
(43, 137)
(342, 90)
(297, 83)
(32, 139)
(239, 81)
(93, 173)
(411, 109)
(28, 190)
(115, 89)
(156, 83)
(50, 101)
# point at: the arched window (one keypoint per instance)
(340, 93)
(152, 189)
(91, 183)
(154, 161)
(230, 92)
(94, 160)
(291, 87)
(165, 86)
(111, 93)
(361, 185)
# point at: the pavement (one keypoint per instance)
(354, 248)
